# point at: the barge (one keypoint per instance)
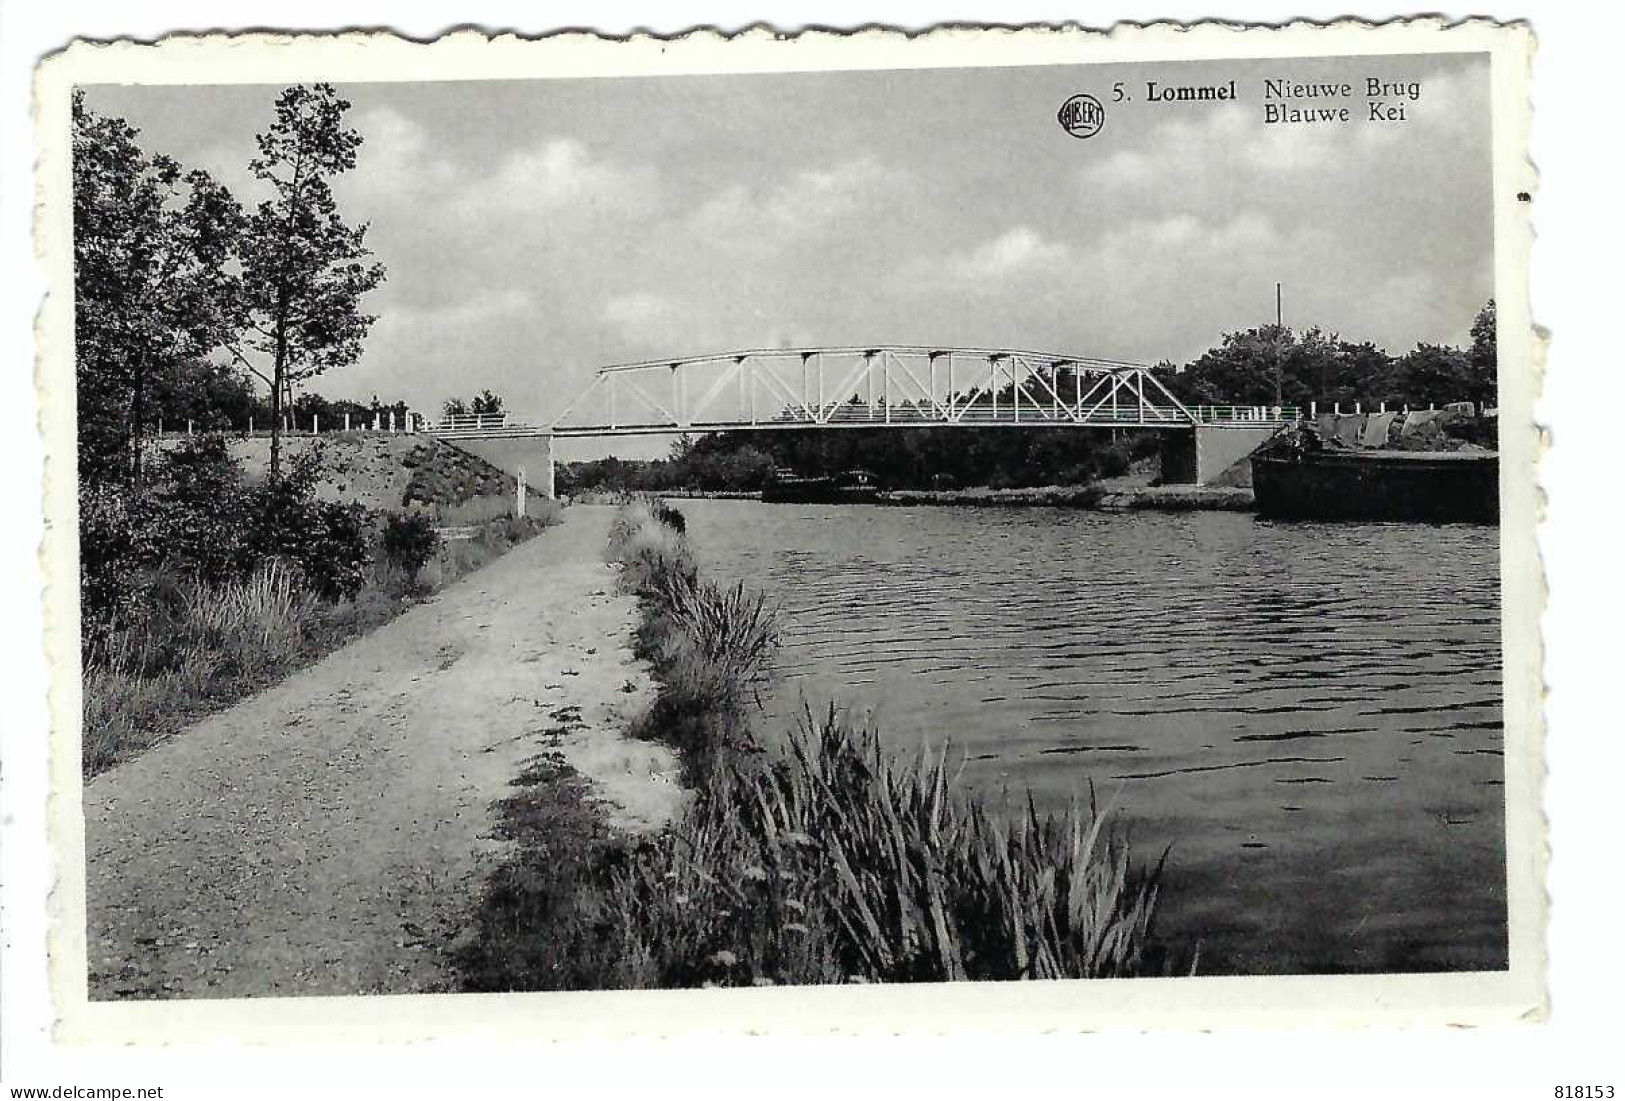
(852, 487)
(1429, 486)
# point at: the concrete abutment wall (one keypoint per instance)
(1209, 455)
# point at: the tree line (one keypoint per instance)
(1246, 367)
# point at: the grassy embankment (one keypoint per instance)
(820, 859)
(197, 648)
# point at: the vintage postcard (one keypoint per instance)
(980, 529)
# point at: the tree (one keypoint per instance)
(1430, 374)
(1481, 356)
(1241, 370)
(304, 271)
(211, 396)
(152, 289)
(485, 403)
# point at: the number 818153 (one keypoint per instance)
(1583, 1093)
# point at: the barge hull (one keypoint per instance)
(1448, 487)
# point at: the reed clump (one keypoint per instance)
(837, 863)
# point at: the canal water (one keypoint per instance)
(1310, 715)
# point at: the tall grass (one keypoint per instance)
(710, 645)
(650, 551)
(486, 509)
(200, 641)
(827, 860)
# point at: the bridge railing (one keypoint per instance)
(1246, 414)
(484, 426)
(459, 421)
(984, 412)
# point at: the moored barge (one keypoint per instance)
(852, 487)
(1429, 486)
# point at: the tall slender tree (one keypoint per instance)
(304, 270)
(153, 285)
(1482, 355)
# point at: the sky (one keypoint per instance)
(534, 231)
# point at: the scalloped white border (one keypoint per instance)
(1185, 1003)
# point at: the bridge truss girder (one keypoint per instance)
(897, 386)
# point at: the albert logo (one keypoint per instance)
(1082, 116)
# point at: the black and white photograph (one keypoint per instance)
(790, 513)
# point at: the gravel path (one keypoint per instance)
(332, 834)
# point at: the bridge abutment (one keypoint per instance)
(1212, 455)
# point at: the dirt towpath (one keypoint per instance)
(332, 834)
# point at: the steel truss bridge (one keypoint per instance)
(869, 387)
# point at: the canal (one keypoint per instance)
(1310, 715)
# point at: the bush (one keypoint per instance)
(669, 516)
(197, 505)
(199, 519)
(410, 541)
(1114, 460)
(281, 518)
(114, 544)
(647, 548)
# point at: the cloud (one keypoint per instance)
(1018, 253)
(444, 331)
(473, 311)
(639, 309)
(562, 172)
(1184, 238)
(1126, 167)
(396, 158)
(399, 167)
(798, 207)
(1188, 150)
(1014, 252)
(662, 324)
(653, 323)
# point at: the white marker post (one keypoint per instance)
(519, 495)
